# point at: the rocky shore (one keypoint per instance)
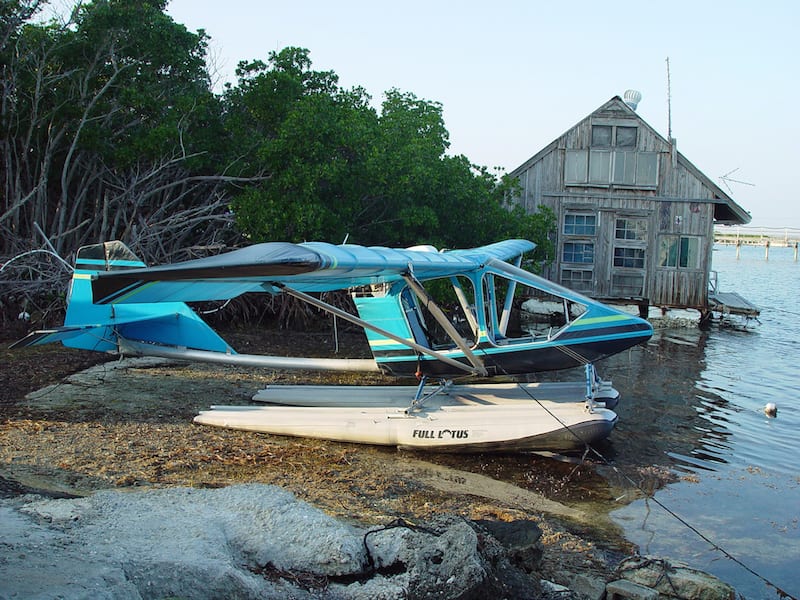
(243, 541)
(109, 490)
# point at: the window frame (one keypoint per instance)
(628, 283)
(640, 233)
(585, 279)
(578, 251)
(601, 141)
(647, 174)
(610, 161)
(576, 167)
(629, 257)
(576, 224)
(626, 128)
(680, 254)
(624, 169)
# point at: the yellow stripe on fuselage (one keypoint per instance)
(132, 293)
(388, 342)
(605, 319)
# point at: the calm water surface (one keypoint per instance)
(692, 430)
(694, 402)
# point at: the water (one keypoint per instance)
(692, 431)
(694, 406)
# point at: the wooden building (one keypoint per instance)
(635, 217)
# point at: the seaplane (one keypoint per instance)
(470, 326)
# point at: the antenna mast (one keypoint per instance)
(669, 106)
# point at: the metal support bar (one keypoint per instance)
(441, 318)
(419, 399)
(134, 348)
(462, 299)
(510, 291)
(590, 376)
(362, 323)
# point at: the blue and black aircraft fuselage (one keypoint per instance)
(498, 319)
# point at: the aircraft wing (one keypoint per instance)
(307, 267)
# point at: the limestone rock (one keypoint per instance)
(447, 558)
(245, 541)
(520, 538)
(588, 586)
(674, 580)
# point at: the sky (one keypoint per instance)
(512, 76)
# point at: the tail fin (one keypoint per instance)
(90, 326)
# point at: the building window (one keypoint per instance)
(625, 284)
(626, 137)
(576, 165)
(601, 136)
(579, 280)
(578, 224)
(630, 250)
(629, 258)
(679, 252)
(624, 168)
(612, 159)
(606, 136)
(604, 167)
(578, 252)
(631, 229)
(647, 169)
(582, 225)
(600, 166)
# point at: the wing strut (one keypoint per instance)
(441, 318)
(361, 323)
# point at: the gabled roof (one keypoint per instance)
(726, 210)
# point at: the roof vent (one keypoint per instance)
(632, 98)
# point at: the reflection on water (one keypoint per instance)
(737, 468)
(660, 413)
(693, 432)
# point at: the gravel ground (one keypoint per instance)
(128, 425)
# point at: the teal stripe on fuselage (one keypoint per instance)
(491, 349)
(99, 262)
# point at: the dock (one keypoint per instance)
(763, 236)
(731, 303)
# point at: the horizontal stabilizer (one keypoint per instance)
(49, 336)
(180, 327)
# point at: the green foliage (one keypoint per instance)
(337, 168)
(102, 118)
(108, 123)
(308, 136)
(147, 73)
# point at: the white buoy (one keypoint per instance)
(771, 409)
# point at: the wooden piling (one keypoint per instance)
(787, 239)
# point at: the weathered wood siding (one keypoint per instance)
(679, 209)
